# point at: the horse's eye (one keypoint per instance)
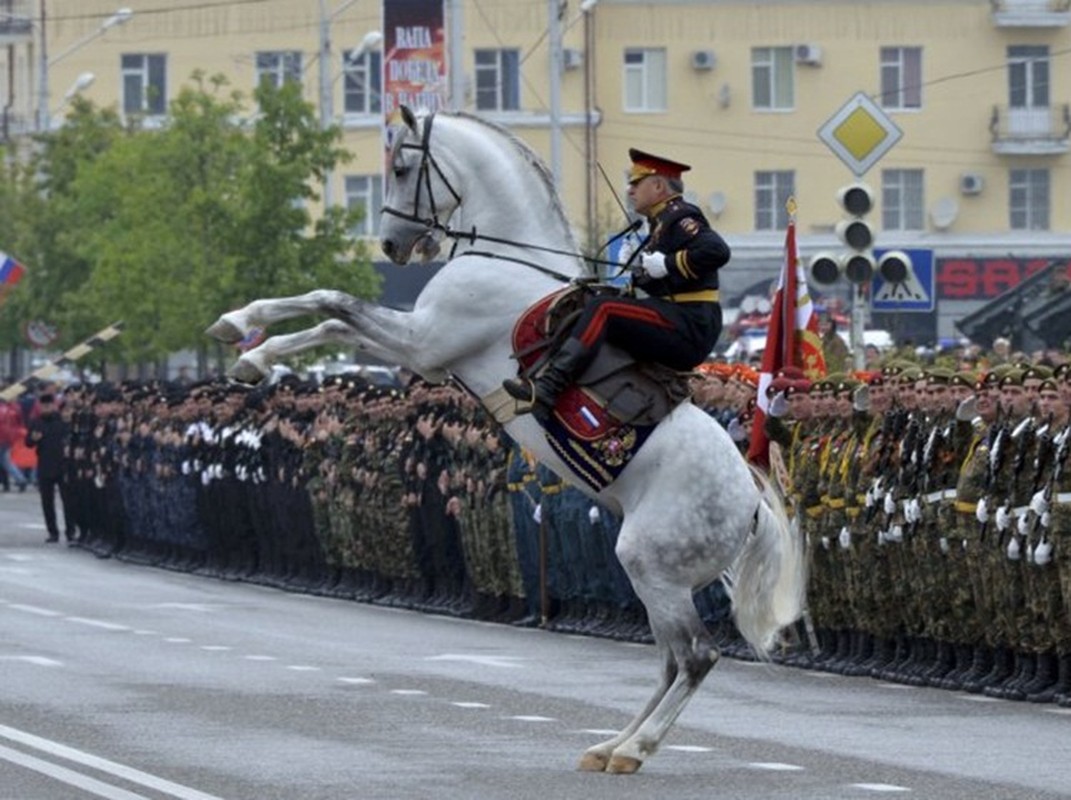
(401, 172)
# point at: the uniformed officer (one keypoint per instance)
(679, 321)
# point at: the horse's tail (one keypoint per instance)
(769, 577)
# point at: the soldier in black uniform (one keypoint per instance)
(679, 321)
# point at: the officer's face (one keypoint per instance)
(646, 193)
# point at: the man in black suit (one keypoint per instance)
(48, 433)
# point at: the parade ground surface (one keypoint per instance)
(123, 681)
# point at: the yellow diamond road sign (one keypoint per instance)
(860, 133)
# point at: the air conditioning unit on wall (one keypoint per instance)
(808, 54)
(572, 58)
(971, 183)
(704, 60)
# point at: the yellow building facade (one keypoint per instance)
(980, 90)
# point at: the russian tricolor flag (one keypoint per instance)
(11, 271)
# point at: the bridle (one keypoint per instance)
(428, 164)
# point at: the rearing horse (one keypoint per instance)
(692, 508)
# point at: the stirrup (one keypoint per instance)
(523, 391)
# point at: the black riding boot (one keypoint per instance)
(540, 395)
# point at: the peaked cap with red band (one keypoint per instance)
(644, 164)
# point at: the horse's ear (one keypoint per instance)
(409, 118)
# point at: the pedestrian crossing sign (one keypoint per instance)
(916, 292)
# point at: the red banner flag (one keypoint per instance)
(791, 341)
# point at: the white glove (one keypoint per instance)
(1038, 504)
(845, 538)
(778, 406)
(895, 534)
(967, 409)
(537, 515)
(943, 544)
(982, 512)
(861, 398)
(594, 515)
(869, 502)
(737, 432)
(912, 510)
(1013, 549)
(1046, 519)
(1043, 553)
(890, 504)
(654, 264)
(1003, 518)
(825, 542)
(1021, 525)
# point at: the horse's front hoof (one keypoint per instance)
(592, 762)
(224, 331)
(244, 371)
(624, 765)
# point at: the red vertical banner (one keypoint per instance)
(414, 57)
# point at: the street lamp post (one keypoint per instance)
(44, 120)
(370, 41)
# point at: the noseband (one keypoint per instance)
(427, 164)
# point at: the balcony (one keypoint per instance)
(16, 21)
(1030, 131)
(1031, 13)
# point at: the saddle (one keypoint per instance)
(615, 390)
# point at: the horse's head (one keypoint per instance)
(420, 198)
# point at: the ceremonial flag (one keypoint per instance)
(792, 338)
(11, 271)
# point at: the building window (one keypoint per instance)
(772, 190)
(365, 192)
(773, 78)
(498, 80)
(278, 67)
(362, 83)
(901, 77)
(645, 79)
(1029, 200)
(901, 200)
(1028, 76)
(144, 84)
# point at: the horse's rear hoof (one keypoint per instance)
(592, 762)
(223, 331)
(624, 765)
(245, 372)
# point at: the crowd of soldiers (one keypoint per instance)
(933, 504)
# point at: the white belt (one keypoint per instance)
(1062, 497)
(947, 494)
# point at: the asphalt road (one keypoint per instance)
(124, 682)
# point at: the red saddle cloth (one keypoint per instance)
(580, 413)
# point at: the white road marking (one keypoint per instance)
(897, 686)
(177, 640)
(41, 612)
(103, 765)
(303, 668)
(977, 698)
(215, 648)
(460, 704)
(776, 766)
(1061, 711)
(260, 658)
(879, 787)
(33, 526)
(39, 661)
(19, 557)
(689, 748)
(600, 731)
(356, 681)
(144, 633)
(484, 661)
(408, 691)
(531, 718)
(98, 623)
(183, 606)
(68, 776)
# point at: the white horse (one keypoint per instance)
(692, 508)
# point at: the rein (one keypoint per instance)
(428, 163)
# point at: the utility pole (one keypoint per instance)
(456, 55)
(327, 104)
(43, 121)
(555, 38)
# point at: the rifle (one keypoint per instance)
(1022, 436)
(993, 466)
(1059, 456)
(892, 426)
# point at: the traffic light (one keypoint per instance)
(895, 266)
(825, 267)
(856, 200)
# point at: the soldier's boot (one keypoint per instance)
(1018, 664)
(964, 655)
(981, 663)
(888, 670)
(538, 395)
(998, 672)
(944, 661)
(1062, 688)
(883, 652)
(862, 651)
(921, 657)
(1042, 688)
(841, 649)
(1014, 689)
